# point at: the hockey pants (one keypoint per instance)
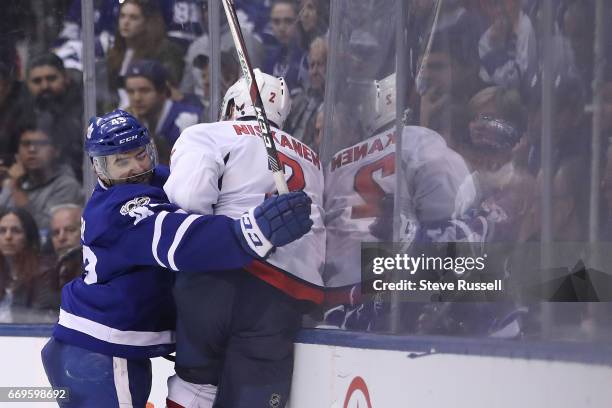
(96, 380)
(236, 332)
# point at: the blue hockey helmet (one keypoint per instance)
(115, 132)
(118, 132)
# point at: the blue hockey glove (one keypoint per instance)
(278, 221)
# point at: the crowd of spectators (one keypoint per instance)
(475, 77)
(481, 89)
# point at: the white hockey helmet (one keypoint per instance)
(274, 95)
(381, 104)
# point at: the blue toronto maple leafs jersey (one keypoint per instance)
(133, 239)
(183, 18)
(176, 117)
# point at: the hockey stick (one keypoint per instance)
(247, 71)
(434, 26)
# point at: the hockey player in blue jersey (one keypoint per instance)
(121, 312)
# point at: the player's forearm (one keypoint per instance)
(200, 243)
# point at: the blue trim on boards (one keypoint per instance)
(26, 330)
(422, 346)
(416, 346)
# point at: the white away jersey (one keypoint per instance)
(358, 177)
(222, 168)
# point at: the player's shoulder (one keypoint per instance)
(108, 201)
(154, 190)
(419, 137)
(428, 147)
(421, 131)
(210, 135)
(362, 152)
(110, 209)
(160, 175)
(203, 131)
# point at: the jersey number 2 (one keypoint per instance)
(296, 181)
(368, 189)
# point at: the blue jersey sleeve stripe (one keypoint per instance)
(112, 335)
(157, 235)
(178, 237)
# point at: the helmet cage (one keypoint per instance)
(100, 165)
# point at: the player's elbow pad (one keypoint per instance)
(278, 221)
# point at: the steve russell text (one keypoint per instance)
(411, 264)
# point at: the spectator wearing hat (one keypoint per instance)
(146, 83)
(196, 77)
(197, 73)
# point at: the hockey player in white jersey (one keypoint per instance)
(360, 183)
(235, 332)
(358, 178)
